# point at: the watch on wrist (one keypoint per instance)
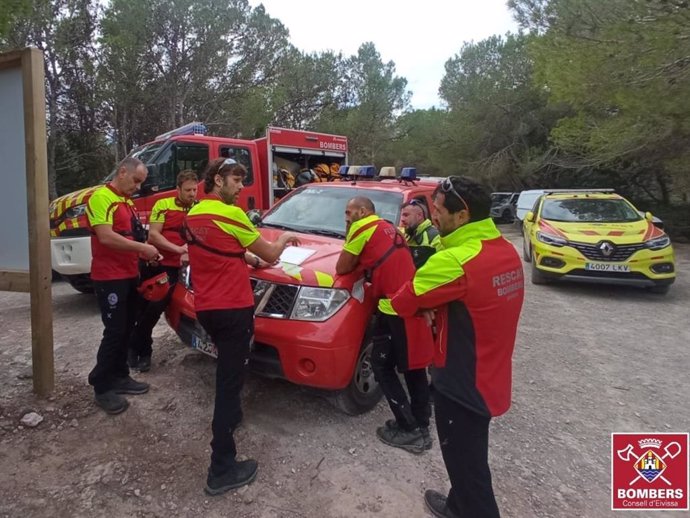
(257, 261)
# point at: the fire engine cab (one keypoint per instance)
(276, 164)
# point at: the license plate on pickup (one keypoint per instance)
(204, 345)
(607, 267)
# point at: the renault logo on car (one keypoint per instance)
(607, 248)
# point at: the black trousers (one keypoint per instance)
(118, 301)
(150, 312)
(390, 353)
(464, 439)
(231, 331)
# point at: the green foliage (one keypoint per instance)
(371, 97)
(624, 69)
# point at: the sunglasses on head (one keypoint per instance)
(447, 187)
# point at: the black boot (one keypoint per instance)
(436, 503)
(240, 474)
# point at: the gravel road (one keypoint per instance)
(590, 360)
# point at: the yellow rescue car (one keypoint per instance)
(597, 236)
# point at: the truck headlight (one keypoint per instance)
(658, 243)
(550, 239)
(76, 211)
(318, 304)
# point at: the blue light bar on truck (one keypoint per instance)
(343, 170)
(408, 173)
(193, 128)
(367, 171)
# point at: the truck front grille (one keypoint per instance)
(273, 300)
(595, 253)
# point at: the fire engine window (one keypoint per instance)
(178, 157)
(241, 156)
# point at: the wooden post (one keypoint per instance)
(37, 281)
(40, 271)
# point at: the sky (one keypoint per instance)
(418, 36)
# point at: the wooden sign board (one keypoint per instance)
(24, 225)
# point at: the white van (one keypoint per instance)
(525, 203)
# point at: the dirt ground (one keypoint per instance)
(589, 360)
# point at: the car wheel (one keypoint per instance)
(537, 276)
(660, 289)
(363, 393)
(81, 283)
(526, 253)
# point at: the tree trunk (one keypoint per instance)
(663, 187)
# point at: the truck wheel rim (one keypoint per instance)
(364, 377)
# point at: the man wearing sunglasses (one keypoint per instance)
(474, 286)
(422, 237)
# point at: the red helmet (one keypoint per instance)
(156, 288)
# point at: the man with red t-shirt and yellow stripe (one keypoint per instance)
(165, 224)
(379, 249)
(116, 246)
(218, 234)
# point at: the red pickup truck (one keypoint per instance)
(310, 328)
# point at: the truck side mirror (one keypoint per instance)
(254, 216)
(529, 216)
(648, 216)
(150, 185)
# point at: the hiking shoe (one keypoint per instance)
(144, 364)
(112, 402)
(129, 386)
(241, 474)
(132, 359)
(426, 436)
(437, 504)
(392, 424)
(408, 440)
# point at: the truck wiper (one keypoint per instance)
(276, 225)
(322, 232)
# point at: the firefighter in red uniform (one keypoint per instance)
(379, 249)
(117, 243)
(165, 224)
(475, 284)
(219, 234)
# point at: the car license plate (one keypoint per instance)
(607, 267)
(204, 346)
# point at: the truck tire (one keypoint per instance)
(82, 283)
(526, 252)
(537, 276)
(507, 216)
(363, 393)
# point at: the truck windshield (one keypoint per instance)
(143, 153)
(321, 210)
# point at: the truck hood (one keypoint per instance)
(59, 205)
(317, 270)
(620, 233)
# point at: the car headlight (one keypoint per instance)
(76, 211)
(550, 239)
(318, 304)
(186, 277)
(658, 243)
